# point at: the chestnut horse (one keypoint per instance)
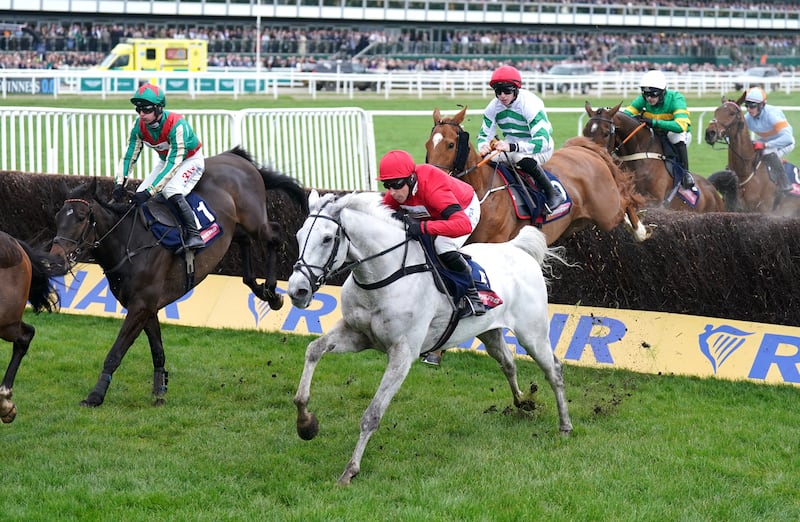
(601, 193)
(24, 276)
(746, 185)
(144, 276)
(642, 152)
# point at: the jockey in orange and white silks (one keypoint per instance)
(180, 162)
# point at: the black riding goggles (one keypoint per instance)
(652, 93)
(145, 109)
(504, 89)
(395, 184)
(751, 105)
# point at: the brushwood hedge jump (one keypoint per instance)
(732, 266)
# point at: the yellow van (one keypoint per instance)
(157, 54)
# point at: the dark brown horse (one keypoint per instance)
(144, 276)
(642, 152)
(601, 193)
(745, 185)
(24, 276)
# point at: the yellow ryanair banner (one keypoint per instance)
(649, 342)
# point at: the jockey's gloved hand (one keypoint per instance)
(140, 197)
(399, 214)
(119, 193)
(413, 227)
(646, 121)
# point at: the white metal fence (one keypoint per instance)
(323, 148)
(238, 83)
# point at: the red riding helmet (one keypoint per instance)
(506, 74)
(396, 164)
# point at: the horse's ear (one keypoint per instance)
(588, 107)
(458, 118)
(615, 109)
(313, 197)
(741, 98)
(437, 116)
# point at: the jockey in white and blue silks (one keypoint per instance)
(775, 135)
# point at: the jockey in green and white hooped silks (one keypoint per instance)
(525, 133)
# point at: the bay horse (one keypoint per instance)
(380, 300)
(745, 184)
(601, 193)
(144, 276)
(25, 275)
(638, 148)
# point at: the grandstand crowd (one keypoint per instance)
(82, 44)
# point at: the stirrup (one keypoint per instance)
(194, 242)
(553, 204)
(688, 181)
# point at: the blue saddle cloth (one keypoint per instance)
(457, 283)
(529, 199)
(169, 235)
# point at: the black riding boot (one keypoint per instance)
(454, 261)
(191, 236)
(683, 158)
(776, 171)
(554, 197)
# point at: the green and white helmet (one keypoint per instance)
(149, 94)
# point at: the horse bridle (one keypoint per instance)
(612, 135)
(457, 169)
(83, 241)
(725, 136)
(326, 271)
(89, 230)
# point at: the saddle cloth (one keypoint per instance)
(529, 200)
(162, 222)
(457, 284)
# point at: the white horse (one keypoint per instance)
(402, 313)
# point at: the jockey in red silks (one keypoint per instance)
(436, 204)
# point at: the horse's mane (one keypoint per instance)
(370, 203)
(88, 191)
(622, 176)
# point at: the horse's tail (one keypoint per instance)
(533, 241)
(727, 183)
(43, 295)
